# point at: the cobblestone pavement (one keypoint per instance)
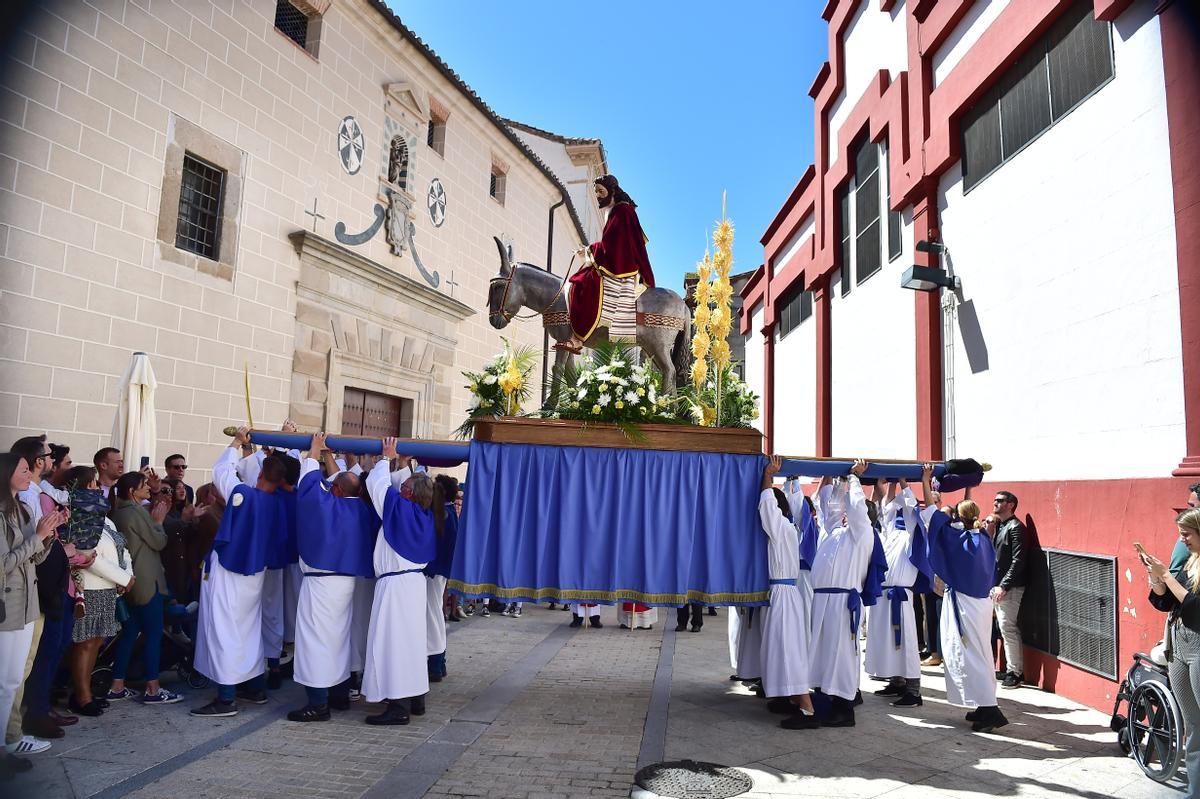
(534, 710)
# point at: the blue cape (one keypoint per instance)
(336, 534)
(808, 537)
(876, 571)
(249, 529)
(283, 551)
(964, 559)
(408, 528)
(440, 565)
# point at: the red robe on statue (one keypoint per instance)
(621, 252)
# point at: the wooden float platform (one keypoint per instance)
(571, 433)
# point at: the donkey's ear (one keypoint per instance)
(505, 259)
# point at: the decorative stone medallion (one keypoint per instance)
(436, 200)
(350, 145)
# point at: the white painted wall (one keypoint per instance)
(1068, 252)
(795, 390)
(874, 363)
(874, 40)
(755, 372)
(789, 250)
(965, 34)
(576, 178)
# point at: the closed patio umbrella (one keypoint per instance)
(135, 430)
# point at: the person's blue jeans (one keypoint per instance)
(56, 638)
(933, 620)
(146, 620)
(228, 693)
(320, 696)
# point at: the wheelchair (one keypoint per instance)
(1152, 730)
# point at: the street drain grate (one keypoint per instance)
(688, 779)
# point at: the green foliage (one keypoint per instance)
(510, 369)
(739, 404)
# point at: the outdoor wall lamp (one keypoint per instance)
(929, 278)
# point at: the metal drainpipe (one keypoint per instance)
(550, 269)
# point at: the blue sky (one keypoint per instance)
(689, 98)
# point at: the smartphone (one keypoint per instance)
(145, 462)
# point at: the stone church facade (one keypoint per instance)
(300, 190)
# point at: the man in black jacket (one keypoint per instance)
(1011, 569)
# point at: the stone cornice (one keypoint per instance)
(346, 263)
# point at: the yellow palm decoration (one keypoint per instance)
(713, 318)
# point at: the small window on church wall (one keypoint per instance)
(296, 20)
(200, 194)
(497, 184)
(435, 136)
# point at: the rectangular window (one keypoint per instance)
(496, 185)
(200, 192)
(297, 21)
(866, 211)
(894, 222)
(846, 232)
(435, 136)
(1058, 72)
(367, 413)
(795, 308)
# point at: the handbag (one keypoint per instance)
(122, 611)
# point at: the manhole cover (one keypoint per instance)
(688, 779)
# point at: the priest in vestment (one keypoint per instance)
(604, 293)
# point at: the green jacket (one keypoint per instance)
(145, 538)
(20, 551)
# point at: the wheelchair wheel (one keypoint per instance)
(1155, 731)
(101, 680)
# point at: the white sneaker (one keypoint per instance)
(28, 745)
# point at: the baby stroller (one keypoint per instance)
(177, 653)
(1151, 730)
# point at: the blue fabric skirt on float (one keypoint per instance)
(605, 525)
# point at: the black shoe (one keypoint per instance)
(858, 700)
(800, 721)
(972, 715)
(394, 714)
(781, 705)
(758, 690)
(678, 627)
(1013, 680)
(416, 705)
(92, 708)
(339, 702)
(623, 626)
(252, 697)
(42, 727)
(909, 700)
(11, 764)
(988, 719)
(1000, 675)
(696, 628)
(712, 611)
(891, 689)
(843, 717)
(594, 621)
(310, 713)
(576, 622)
(453, 617)
(102, 702)
(216, 709)
(435, 678)
(274, 679)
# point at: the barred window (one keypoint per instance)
(496, 185)
(1060, 70)
(435, 136)
(291, 22)
(866, 211)
(795, 307)
(200, 196)
(847, 234)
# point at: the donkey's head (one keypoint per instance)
(504, 295)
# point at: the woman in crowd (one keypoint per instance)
(22, 546)
(179, 525)
(210, 508)
(1180, 597)
(108, 573)
(145, 537)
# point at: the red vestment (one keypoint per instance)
(621, 252)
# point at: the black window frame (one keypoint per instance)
(1077, 40)
(198, 230)
(293, 23)
(435, 136)
(795, 308)
(498, 184)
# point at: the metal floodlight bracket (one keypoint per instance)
(935, 247)
(928, 278)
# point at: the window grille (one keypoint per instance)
(1058, 72)
(291, 22)
(200, 194)
(847, 234)
(1071, 610)
(795, 308)
(496, 185)
(866, 210)
(894, 226)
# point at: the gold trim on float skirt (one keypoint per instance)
(618, 595)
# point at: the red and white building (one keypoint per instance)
(1051, 147)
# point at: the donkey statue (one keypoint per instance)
(661, 316)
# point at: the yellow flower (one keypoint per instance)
(703, 313)
(699, 372)
(723, 235)
(754, 413)
(710, 416)
(619, 404)
(700, 344)
(641, 392)
(596, 409)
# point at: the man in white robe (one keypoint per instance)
(892, 648)
(843, 556)
(585, 611)
(229, 644)
(785, 633)
(396, 669)
(336, 535)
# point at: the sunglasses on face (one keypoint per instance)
(178, 466)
